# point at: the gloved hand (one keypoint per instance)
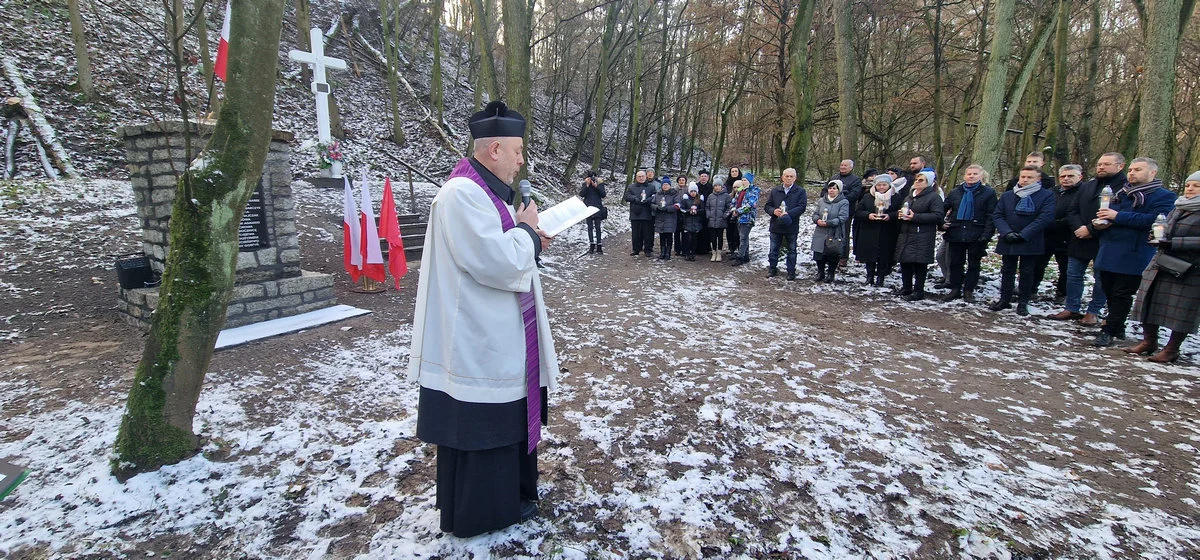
(1013, 237)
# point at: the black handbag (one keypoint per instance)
(602, 214)
(1174, 266)
(833, 247)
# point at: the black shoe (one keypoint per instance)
(915, 296)
(599, 250)
(647, 253)
(969, 296)
(592, 249)
(737, 262)
(879, 281)
(529, 510)
(902, 292)
(941, 285)
(820, 277)
(953, 295)
(635, 253)
(791, 276)
(772, 272)
(1023, 309)
(829, 277)
(1000, 305)
(1102, 340)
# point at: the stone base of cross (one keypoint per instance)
(320, 87)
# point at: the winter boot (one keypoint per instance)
(820, 272)
(591, 249)
(1149, 343)
(829, 275)
(968, 296)
(1170, 352)
(599, 249)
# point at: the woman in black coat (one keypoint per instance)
(665, 204)
(876, 228)
(593, 192)
(969, 229)
(919, 223)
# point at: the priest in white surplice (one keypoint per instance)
(481, 339)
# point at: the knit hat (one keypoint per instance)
(930, 177)
(692, 187)
(1193, 177)
(882, 178)
(839, 184)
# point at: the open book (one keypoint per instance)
(564, 215)
(10, 476)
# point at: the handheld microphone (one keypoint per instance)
(526, 192)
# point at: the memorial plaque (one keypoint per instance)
(252, 232)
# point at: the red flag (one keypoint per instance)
(372, 255)
(351, 235)
(389, 229)
(223, 47)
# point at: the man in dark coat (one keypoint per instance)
(915, 165)
(641, 220)
(1069, 198)
(969, 228)
(593, 192)
(785, 205)
(1125, 248)
(1021, 217)
(1085, 243)
(852, 190)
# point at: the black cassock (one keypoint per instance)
(483, 469)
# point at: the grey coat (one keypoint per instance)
(918, 237)
(1163, 299)
(666, 218)
(839, 212)
(717, 206)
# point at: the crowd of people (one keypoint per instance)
(1122, 222)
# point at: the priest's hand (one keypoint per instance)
(545, 238)
(528, 214)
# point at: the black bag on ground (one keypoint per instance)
(133, 271)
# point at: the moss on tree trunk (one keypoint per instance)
(157, 426)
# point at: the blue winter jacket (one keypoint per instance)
(1031, 227)
(1125, 246)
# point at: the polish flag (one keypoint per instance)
(351, 235)
(223, 47)
(389, 229)
(372, 266)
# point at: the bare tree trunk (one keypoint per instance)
(83, 64)
(635, 101)
(847, 74)
(386, 9)
(1156, 119)
(989, 135)
(1055, 133)
(1083, 148)
(435, 85)
(518, 27)
(156, 428)
(606, 48)
(483, 46)
(805, 70)
(303, 25)
(206, 60)
(936, 33)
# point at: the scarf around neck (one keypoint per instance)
(1025, 206)
(1138, 192)
(1188, 204)
(966, 208)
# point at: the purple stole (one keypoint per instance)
(533, 393)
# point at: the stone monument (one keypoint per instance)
(269, 283)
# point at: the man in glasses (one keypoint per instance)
(1078, 241)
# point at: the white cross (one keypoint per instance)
(319, 62)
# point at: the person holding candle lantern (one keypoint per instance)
(666, 205)
(1084, 243)
(828, 243)
(920, 217)
(1125, 248)
(969, 228)
(785, 204)
(877, 227)
(1169, 295)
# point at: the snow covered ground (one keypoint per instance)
(704, 411)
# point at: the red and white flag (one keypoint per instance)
(389, 229)
(351, 236)
(372, 266)
(223, 46)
